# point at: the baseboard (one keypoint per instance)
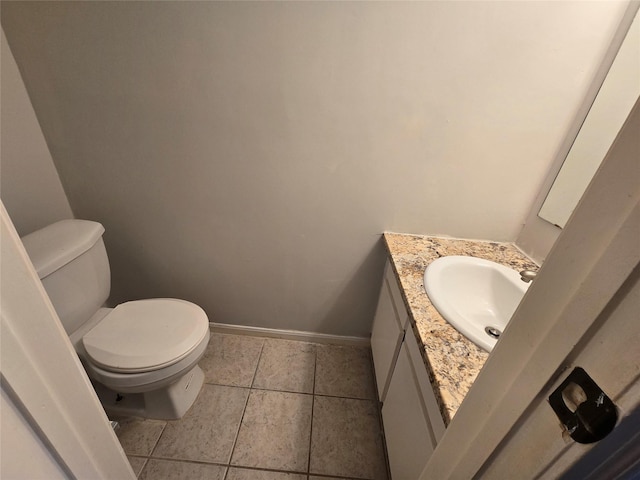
(290, 335)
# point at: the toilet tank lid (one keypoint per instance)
(55, 245)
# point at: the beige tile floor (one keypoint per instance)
(270, 409)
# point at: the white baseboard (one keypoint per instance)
(290, 335)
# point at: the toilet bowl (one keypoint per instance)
(141, 356)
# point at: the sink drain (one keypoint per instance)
(493, 332)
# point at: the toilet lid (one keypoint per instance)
(146, 335)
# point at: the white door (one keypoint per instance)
(53, 425)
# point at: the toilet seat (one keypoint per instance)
(146, 381)
(146, 335)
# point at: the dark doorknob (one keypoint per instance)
(593, 415)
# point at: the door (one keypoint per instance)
(58, 427)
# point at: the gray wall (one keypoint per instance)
(29, 184)
(247, 156)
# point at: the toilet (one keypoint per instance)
(141, 356)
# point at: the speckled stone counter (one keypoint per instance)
(452, 361)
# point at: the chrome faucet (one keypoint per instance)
(527, 275)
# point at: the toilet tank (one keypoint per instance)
(72, 263)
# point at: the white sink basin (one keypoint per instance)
(477, 297)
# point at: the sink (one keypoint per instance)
(476, 296)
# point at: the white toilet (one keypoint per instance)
(142, 356)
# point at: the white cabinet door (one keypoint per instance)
(430, 404)
(409, 442)
(386, 338)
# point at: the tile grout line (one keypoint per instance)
(144, 465)
(245, 467)
(253, 379)
(371, 400)
(166, 423)
(337, 477)
(148, 457)
(189, 460)
(347, 398)
(290, 472)
(296, 392)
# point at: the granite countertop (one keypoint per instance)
(452, 361)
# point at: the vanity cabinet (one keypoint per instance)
(412, 421)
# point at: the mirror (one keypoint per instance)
(610, 109)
